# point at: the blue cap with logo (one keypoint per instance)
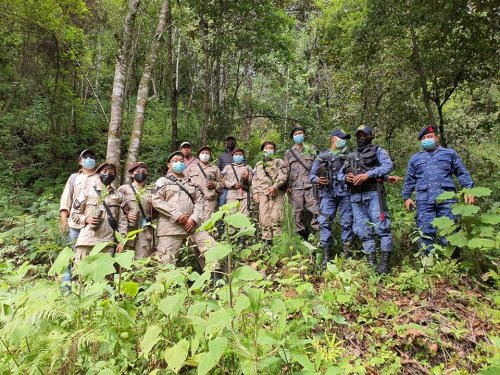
(365, 129)
(341, 133)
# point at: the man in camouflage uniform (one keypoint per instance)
(209, 179)
(74, 187)
(180, 207)
(299, 159)
(237, 178)
(334, 194)
(269, 176)
(187, 151)
(89, 210)
(430, 173)
(139, 209)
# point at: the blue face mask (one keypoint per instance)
(178, 166)
(88, 163)
(428, 144)
(268, 153)
(298, 138)
(341, 143)
(238, 159)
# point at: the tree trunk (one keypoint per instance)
(421, 74)
(207, 78)
(115, 124)
(442, 138)
(247, 107)
(143, 90)
(171, 80)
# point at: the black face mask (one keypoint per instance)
(140, 177)
(231, 145)
(107, 178)
(363, 142)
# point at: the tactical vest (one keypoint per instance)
(361, 162)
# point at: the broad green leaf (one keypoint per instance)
(131, 235)
(119, 237)
(96, 267)
(242, 303)
(149, 340)
(176, 355)
(339, 319)
(343, 298)
(481, 243)
(130, 288)
(478, 191)
(457, 239)
(246, 273)
(238, 220)
(442, 222)
(208, 360)
(303, 361)
(171, 305)
(200, 281)
(465, 209)
(125, 259)
(218, 321)
(61, 262)
(490, 218)
(100, 247)
(447, 195)
(218, 252)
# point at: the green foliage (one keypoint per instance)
(475, 232)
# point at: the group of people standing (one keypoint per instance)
(338, 179)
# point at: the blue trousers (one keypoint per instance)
(427, 211)
(368, 224)
(73, 236)
(223, 197)
(328, 207)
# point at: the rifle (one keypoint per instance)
(382, 202)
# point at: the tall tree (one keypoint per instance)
(143, 90)
(113, 153)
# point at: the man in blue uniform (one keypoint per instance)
(365, 171)
(430, 173)
(334, 194)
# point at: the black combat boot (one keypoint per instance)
(384, 266)
(372, 259)
(304, 234)
(327, 256)
(347, 250)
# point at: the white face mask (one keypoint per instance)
(204, 157)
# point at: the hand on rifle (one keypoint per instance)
(190, 224)
(244, 175)
(394, 179)
(210, 185)
(256, 197)
(132, 217)
(237, 185)
(409, 205)
(182, 220)
(349, 177)
(322, 181)
(92, 220)
(271, 191)
(360, 179)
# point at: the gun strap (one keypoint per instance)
(202, 171)
(267, 174)
(299, 160)
(174, 180)
(112, 223)
(138, 201)
(235, 174)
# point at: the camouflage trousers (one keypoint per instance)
(271, 215)
(305, 199)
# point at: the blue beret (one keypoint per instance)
(340, 133)
(426, 130)
(365, 129)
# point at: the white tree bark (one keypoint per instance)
(115, 124)
(143, 90)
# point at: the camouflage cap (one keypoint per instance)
(136, 165)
